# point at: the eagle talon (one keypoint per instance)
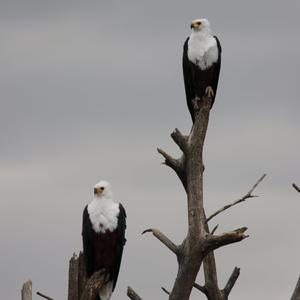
(196, 102)
(209, 92)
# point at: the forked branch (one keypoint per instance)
(176, 164)
(244, 198)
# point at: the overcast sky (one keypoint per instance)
(89, 89)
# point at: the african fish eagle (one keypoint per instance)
(103, 235)
(201, 62)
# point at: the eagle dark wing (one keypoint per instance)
(217, 67)
(196, 80)
(88, 242)
(188, 78)
(121, 240)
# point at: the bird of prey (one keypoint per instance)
(201, 63)
(103, 235)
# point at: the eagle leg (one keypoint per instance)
(196, 102)
(209, 92)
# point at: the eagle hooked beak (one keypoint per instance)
(196, 25)
(98, 190)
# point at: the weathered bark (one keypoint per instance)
(77, 276)
(26, 292)
(93, 286)
(199, 242)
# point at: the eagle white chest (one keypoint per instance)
(202, 49)
(103, 214)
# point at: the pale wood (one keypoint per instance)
(26, 292)
(73, 278)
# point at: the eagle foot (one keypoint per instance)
(196, 102)
(209, 92)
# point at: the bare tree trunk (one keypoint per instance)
(77, 277)
(79, 287)
(199, 242)
(26, 291)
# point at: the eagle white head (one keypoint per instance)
(200, 25)
(102, 190)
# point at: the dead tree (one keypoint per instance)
(79, 287)
(200, 242)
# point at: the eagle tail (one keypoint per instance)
(106, 291)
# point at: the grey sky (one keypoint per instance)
(89, 89)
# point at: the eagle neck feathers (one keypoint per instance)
(103, 213)
(202, 49)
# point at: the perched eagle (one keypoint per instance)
(201, 63)
(103, 235)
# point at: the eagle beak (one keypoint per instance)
(97, 191)
(192, 25)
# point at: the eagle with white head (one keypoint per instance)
(103, 236)
(201, 63)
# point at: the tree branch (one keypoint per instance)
(201, 288)
(216, 241)
(164, 239)
(132, 294)
(231, 281)
(180, 139)
(176, 164)
(93, 286)
(44, 296)
(244, 198)
(165, 290)
(296, 187)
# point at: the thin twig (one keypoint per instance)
(296, 187)
(44, 296)
(200, 288)
(164, 239)
(214, 229)
(166, 291)
(132, 294)
(244, 198)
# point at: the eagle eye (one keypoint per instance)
(198, 23)
(102, 188)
